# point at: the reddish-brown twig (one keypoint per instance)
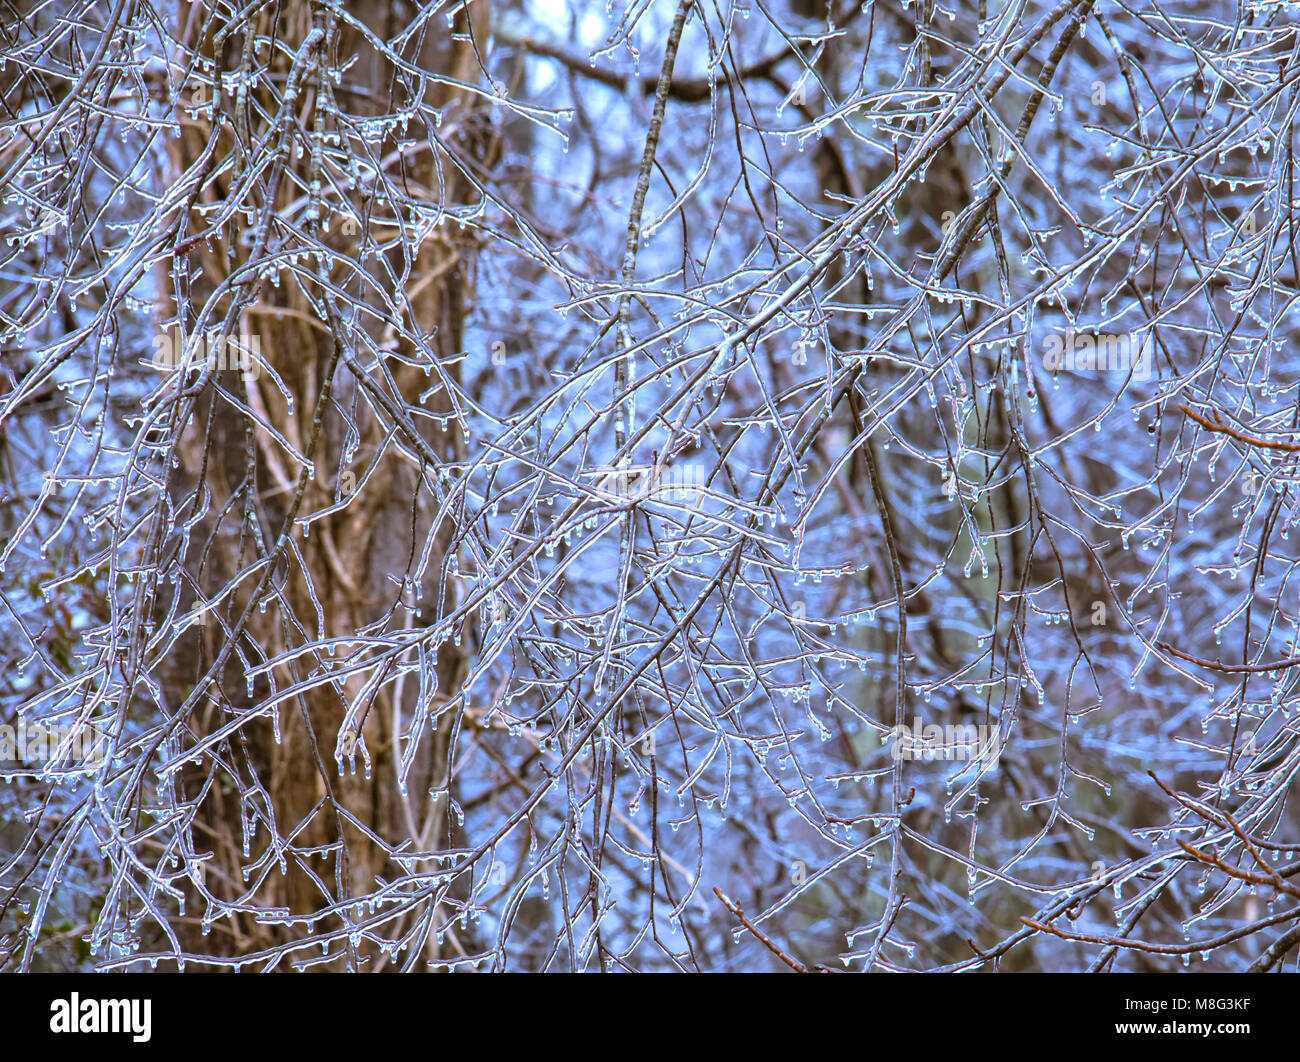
(771, 946)
(1218, 425)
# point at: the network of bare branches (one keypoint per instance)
(516, 485)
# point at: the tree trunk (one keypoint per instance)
(370, 564)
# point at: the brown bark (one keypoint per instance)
(340, 576)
